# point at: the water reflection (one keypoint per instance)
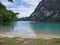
(45, 28)
(30, 28)
(6, 28)
(23, 29)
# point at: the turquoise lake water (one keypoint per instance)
(30, 28)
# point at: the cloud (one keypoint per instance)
(24, 7)
(5, 2)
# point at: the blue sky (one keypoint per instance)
(23, 7)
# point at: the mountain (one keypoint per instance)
(47, 10)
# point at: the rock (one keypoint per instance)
(46, 10)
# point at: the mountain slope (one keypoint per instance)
(47, 10)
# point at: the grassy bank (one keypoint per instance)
(27, 41)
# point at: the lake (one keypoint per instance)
(31, 29)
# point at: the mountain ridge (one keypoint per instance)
(47, 10)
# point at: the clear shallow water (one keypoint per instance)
(30, 29)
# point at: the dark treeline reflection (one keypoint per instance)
(45, 28)
(6, 28)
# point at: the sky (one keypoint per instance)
(23, 7)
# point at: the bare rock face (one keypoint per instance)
(46, 9)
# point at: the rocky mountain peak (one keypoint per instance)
(46, 9)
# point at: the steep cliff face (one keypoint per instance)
(46, 9)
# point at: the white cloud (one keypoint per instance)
(32, 2)
(22, 9)
(5, 2)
